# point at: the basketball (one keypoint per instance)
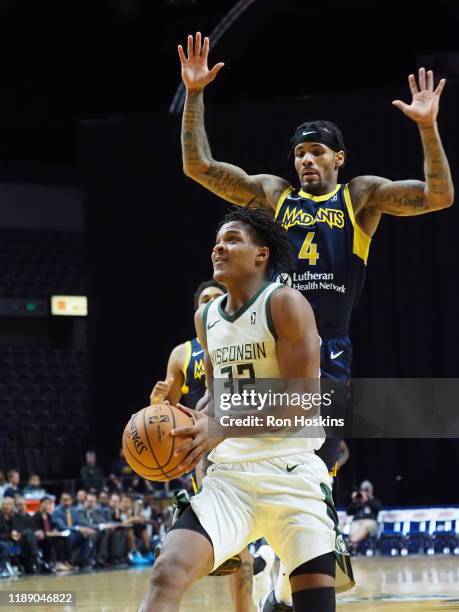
(148, 446)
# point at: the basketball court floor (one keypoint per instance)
(395, 584)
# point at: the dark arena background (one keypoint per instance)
(94, 203)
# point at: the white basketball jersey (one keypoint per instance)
(241, 346)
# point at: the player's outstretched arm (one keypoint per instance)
(376, 195)
(171, 388)
(225, 180)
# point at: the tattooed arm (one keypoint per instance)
(374, 195)
(225, 180)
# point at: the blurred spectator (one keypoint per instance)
(118, 547)
(80, 499)
(12, 531)
(92, 475)
(90, 516)
(151, 512)
(33, 489)
(22, 516)
(51, 543)
(65, 519)
(104, 506)
(121, 474)
(365, 508)
(139, 486)
(13, 484)
(3, 484)
(137, 529)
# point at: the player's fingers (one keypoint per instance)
(182, 55)
(188, 411)
(430, 80)
(190, 46)
(216, 69)
(197, 44)
(422, 78)
(440, 86)
(400, 105)
(205, 47)
(184, 431)
(412, 84)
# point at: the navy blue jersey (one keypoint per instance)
(331, 254)
(194, 382)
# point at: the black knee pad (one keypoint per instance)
(325, 564)
(315, 600)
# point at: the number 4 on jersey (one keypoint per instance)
(309, 249)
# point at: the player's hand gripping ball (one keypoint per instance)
(148, 446)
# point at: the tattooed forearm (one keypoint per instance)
(245, 578)
(225, 180)
(195, 145)
(439, 185)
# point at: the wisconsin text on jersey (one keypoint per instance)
(237, 352)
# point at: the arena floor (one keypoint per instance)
(410, 584)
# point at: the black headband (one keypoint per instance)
(322, 135)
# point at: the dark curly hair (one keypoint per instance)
(204, 285)
(265, 232)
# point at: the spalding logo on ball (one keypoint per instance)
(148, 446)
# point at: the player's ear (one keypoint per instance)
(262, 255)
(340, 158)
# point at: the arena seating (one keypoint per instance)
(411, 531)
(41, 263)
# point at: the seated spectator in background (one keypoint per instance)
(12, 531)
(33, 489)
(92, 475)
(104, 506)
(52, 545)
(365, 509)
(13, 487)
(3, 484)
(121, 474)
(139, 486)
(118, 545)
(80, 499)
(91, 516)
(137, 529)
(151, 512)
(23, 517)
(65, 519)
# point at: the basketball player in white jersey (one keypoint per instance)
(272, 487)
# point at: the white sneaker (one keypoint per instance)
(262, 581)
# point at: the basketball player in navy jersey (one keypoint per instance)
(329, 225)
(273, 487)
(185, 377)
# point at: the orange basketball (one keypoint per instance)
(148, 446)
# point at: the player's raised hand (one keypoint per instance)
(424, 105)
(195, 71)
(160, 391)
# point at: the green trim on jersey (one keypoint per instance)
(204, 317)
(243, 308)
(269, 317)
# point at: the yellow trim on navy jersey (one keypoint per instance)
(320, 198)
(362, 240)
(280, 201)
(185, 388)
